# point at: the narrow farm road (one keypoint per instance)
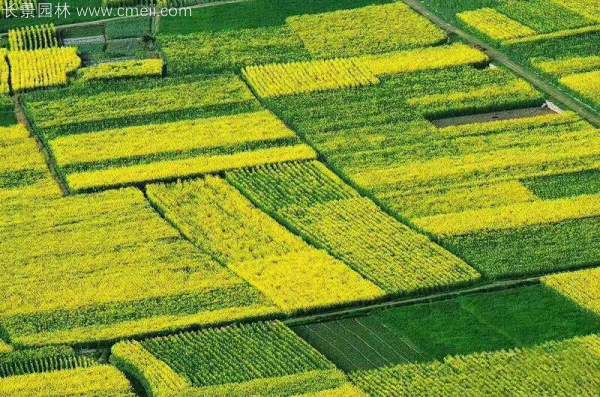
(583, 109)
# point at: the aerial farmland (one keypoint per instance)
(324, 198)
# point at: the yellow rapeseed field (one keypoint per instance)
(494, 24)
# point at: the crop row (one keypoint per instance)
(580, 74)
(354, 230)
(47, 359)
(588, 9)
(543, 16)
(42, 68)
(123, 69)
(566, 66)
(514, 22)
(566, 367)
(295, 78)
(587, 84)
(247, 359)
(33, 37)
(209, 52)
(295, 276)
(522, 161)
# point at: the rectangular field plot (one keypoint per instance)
(249, 359)
(102, 267)
(490, 321)
(58, 371)
(294, 275)
(315, 202)
(566, 367)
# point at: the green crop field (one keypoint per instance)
(326, 198)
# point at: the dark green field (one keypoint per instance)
(516, 317)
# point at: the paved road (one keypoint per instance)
(583, 109)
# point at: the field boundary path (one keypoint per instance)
(583, 109)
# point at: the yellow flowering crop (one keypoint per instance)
(582, 287)
(302, 77)
(587, 8)
(32, 37)
(422, 59)
(307, 280)
(517, 87)
(101, 380)
(4, 348)
(367, 30)
(42, 68)
(458, 199)
(324, 211)
(512, 216)
(171, 169)
(553, 35)
(504, 125)
(122, 69)
(566, 367)
(110, 249)
(494, 24)
(4, 72)
(156, 376)
(587, 84)
(375, 244)
(25, 172)
(216, 217)
(347, 390)
(176, 137)
(253, 359)
(564, 66)
(222, 90)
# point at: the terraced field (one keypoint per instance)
(301, 198)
